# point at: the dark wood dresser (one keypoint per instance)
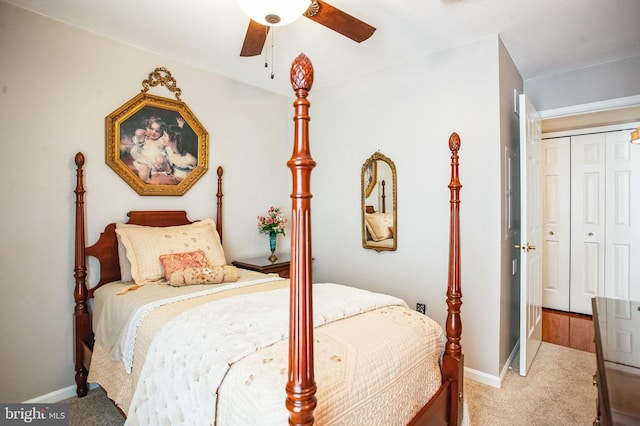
(617, 339)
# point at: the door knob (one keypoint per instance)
(530, 247)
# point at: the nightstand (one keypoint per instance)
(264, 265)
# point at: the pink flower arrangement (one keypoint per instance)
(273, 222)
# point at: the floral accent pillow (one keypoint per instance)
(181, 261)
(204, 275)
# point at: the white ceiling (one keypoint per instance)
(544, 37)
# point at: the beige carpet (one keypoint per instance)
(95, 409)
(557, 391)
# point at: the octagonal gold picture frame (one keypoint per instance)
(156, 144)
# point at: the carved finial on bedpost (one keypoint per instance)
(81, 311)
(301, 73)
(453, 360)
(219, 196)
(301, 386)
(454, 142)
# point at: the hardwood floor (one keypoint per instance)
(568, 329)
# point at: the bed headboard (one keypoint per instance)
(106, 248)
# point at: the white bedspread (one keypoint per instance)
(134, 323)
(118, 317)
(192, 353)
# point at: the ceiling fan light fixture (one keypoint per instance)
(274, 12)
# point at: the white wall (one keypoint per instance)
(408, 113)
(57, 84)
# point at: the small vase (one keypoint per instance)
(272, 246)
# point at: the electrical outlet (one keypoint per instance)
(420, 307)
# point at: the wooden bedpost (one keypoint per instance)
(301, 386)
(81, 320)
(453, 360)
(219, 196)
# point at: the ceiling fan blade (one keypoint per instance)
(339, 21)
(254, 39)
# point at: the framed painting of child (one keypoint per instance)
(156, 145)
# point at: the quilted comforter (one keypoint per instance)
(222, 359)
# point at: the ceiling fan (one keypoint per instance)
(318, 11)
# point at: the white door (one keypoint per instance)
(531, 234)
(602, 170)
(556, 222)
(587, 220)
(622, 227)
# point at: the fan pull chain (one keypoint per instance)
(266, 34)
(266, 51)
(272, 49)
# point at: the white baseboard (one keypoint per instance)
(57, 395)
(482, 377)
(488, 379)
(507, 366)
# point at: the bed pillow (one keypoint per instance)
(379, 225)
(145, 245)
(125, 265)
(204, 275)
(181, 261)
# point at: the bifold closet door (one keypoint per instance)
(588, 156)
(556, 187)
(605, 218)
(622, 217)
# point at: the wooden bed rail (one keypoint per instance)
(301, 386)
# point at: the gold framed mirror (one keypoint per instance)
(379, 204)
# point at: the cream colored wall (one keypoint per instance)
(57, 84)
(408, 113)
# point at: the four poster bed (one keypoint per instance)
(141, 344)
